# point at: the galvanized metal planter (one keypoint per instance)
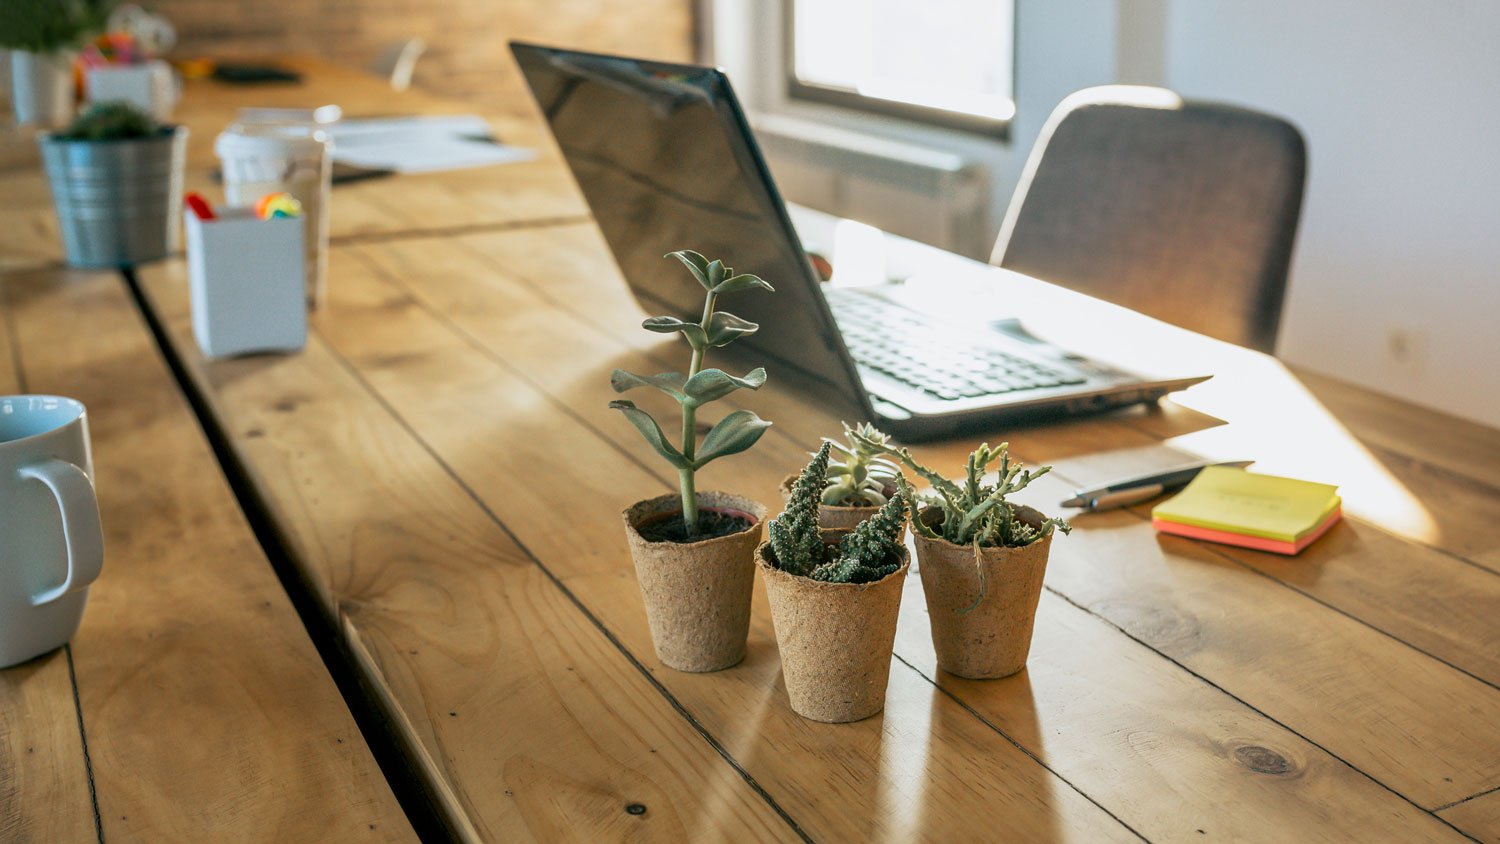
(117, 201)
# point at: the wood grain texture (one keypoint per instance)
(528, 720)
(569, 518)
(466, 53)
(1442, 605)
(1432, 487)
(44, 787)
(210, 715)
(10, 367)
(1478, 817)
(517, 324)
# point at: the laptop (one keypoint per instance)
(666, 160)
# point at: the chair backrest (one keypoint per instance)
(1185, 211)
(398, 61)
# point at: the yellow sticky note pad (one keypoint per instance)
(1236, 501)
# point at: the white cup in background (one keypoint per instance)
(149, 86)
(295, 158)
(51, 543)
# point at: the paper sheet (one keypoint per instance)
(421, 144)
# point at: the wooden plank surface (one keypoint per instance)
(862, 793)
(1177, 690)
(1478, 817)
(430, 335)
(524, 714)
(208, 712)
(44, 785)
(1430, 600)
(513, 323)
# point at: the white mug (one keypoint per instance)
(51, 543)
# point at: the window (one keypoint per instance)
(948, 62)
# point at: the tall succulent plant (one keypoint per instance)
(734, 433)
(863, 556)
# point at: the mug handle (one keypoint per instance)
(82, 533)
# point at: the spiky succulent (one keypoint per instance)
(735, 432)
(869, 552)
(975, 512)
(794, 534)
(110, 121)
(863, 474)
(863, 556)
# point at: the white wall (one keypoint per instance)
(1400, 104)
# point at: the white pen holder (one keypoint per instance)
(247, 278)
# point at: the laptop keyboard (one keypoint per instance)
(904, 345)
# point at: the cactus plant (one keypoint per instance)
(863, 556)
(976, 513)
(862, 475)
(734, 433)
(111, 121)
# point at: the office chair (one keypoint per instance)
(1185, 211)
(398, 61)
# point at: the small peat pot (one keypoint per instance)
(835, 638)
(697, 594)
(982, 630)
(836, 517)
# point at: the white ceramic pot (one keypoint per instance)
(42, 87)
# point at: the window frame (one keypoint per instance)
(797, 90)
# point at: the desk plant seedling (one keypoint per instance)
(694, 551)
(860, 478)
(834, 598)
(981, 559)
(116, 178)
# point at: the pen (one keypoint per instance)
(199, 206)
(1127, 491)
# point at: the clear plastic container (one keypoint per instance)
(292, 157)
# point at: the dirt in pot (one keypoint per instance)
(712, 524)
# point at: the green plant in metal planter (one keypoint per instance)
(865, 555)
(734, 433)
(111, 121)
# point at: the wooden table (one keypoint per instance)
(191, 705)
(441, 469)
(448, 476)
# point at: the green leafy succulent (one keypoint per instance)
(863, 474)
(865, 555)
(734, 433)
(42, 26)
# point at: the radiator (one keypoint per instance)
(928, 195)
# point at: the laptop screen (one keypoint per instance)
(666, 161)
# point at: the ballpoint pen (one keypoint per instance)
(1127, 491)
